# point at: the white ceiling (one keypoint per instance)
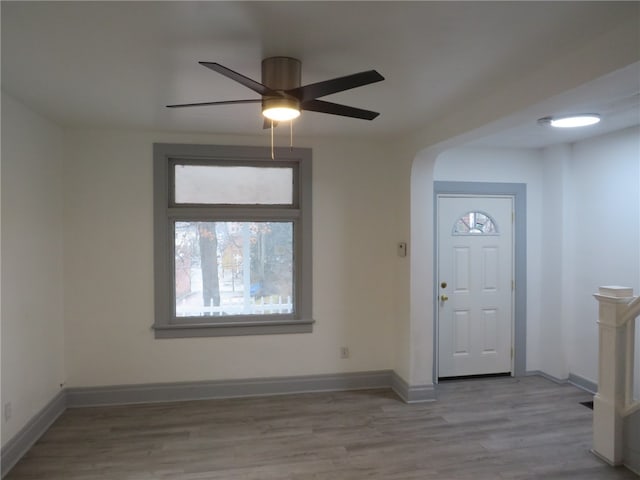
(117, 64)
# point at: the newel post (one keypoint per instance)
(609, 402)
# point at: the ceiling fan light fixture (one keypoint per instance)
(280, 109)
(570, 121)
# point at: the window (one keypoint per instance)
(475, 223)
(232, 232)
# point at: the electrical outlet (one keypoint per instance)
(344, 352)
(7, 411)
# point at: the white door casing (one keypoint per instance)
(475, 285)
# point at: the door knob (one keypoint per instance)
(444, 298)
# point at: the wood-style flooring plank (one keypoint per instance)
(499, 428)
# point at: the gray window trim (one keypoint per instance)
(166, 325)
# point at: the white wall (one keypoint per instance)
(109, 268)
(510, 166)
(419, 337)
(32, 263)
(583, 206)
(556, 259)
(605, 188)
(401, 327)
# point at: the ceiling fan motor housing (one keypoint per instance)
(281, 74)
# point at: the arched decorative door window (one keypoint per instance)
(475, 223)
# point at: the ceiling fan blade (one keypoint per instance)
(204, 104)
(327, 87)
(337, 109)
(238, 77)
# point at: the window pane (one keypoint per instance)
(217, 184)
(233, 268)
(475, 223)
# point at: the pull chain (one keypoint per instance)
(273, 157)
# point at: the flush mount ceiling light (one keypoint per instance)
(280, 109)
(570, 121)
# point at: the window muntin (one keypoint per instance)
(475, 223)
(232, 184)
(279, 305)
(233, 268)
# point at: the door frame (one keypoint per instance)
(519, 193)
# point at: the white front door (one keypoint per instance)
(475, 285)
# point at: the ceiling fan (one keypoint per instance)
(282, 95)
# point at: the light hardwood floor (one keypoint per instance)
(500, 428)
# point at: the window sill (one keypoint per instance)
(233, 329)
